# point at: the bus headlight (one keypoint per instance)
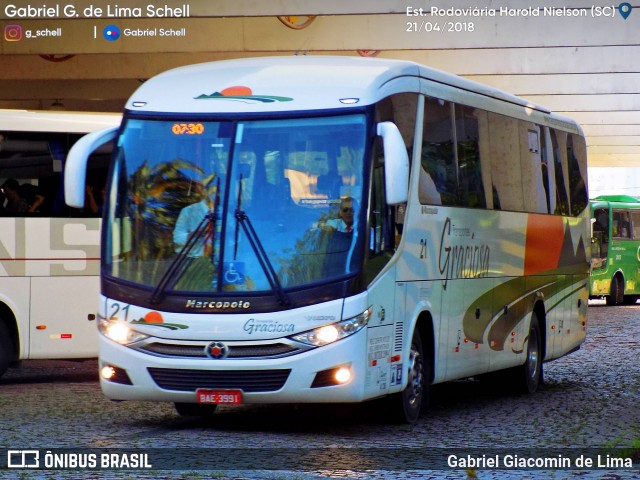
(336, 331)
(119, 332)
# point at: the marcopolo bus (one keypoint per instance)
(49, 253)
(318, 229)
(615, 249)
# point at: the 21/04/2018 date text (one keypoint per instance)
(439, 27)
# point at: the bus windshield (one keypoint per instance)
(212, 206)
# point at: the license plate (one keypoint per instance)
(224, 397)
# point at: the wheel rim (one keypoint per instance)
(414, 382)
(533, 359)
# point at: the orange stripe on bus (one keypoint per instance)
(543, 246)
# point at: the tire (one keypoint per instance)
(616, 294)
(529, 375)
(406, 405)
(195, 409)
(6, 348)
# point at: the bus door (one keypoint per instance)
(635, 235)
(623, 255)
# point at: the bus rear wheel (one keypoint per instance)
(616, 294)
(6, 348)
(530, 373)
(195, 409)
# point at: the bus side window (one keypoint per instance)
(505, 160)
(380, 222)
(558, 140)
(635, 224)
(577, 165)
(470, 184)
(401, 109)
(438, 183)
(621, 226)
(600, 237)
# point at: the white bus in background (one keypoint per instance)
(49, 252)
(318, 229)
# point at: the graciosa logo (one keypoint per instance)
(252, 326)
(242, 94)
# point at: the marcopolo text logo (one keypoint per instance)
(23, 459)
(13, 33)
(111, 33)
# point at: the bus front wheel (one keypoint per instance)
(406, 406)
(616, 294)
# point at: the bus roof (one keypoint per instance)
(635, 201)
(56, 121)
(296, 83)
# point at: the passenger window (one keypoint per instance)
(380, 222)
(31, 175)
(621, 226)
(470, 184)
(504, 147)
(439, 172)
(401, 109)
(548, 175)
(577, 164)
(558, 140)
(635, 224)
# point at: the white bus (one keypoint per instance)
(318, 229)
(49, 253)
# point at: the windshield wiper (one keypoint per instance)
(179, 266)
(242, 220)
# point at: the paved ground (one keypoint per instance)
(590, 400)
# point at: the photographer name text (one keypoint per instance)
(526, 462)
(109, 11)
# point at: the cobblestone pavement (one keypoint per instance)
(590, 400)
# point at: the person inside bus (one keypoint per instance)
(189, 219)
(93, 206)
(32, 196)
(345, 223)
(15, 203)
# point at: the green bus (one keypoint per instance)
(615, 249)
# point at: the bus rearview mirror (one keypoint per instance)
(396, 163)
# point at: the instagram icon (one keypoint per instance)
(13, 33)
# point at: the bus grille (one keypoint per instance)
(189, 380)
(236, 351)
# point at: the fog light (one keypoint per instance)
(108, 372)
(332, 377)
(343, 375)
(115, 375)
